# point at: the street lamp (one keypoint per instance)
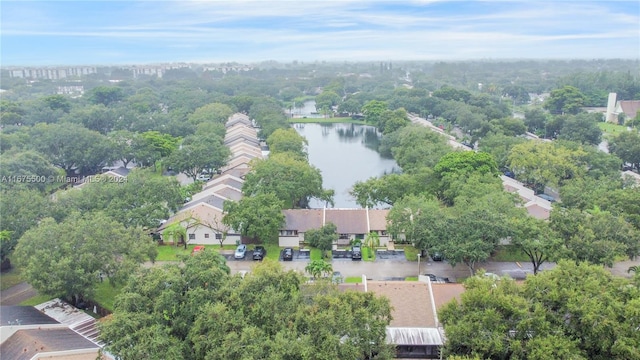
(419, 264)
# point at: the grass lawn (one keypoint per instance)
(368, 254)
(610, 129)
(327, 120)
(172, 252)
(10, 278)
(316, 254)
(411, 278)
(273, 251)
(38, 299)
(105, 294)
(410, 253)
(509, 253)
(353, 280)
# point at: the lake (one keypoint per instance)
(345, 154)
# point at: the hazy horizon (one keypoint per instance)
(61, 33)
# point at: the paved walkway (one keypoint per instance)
(17, 294)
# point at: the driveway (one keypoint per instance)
(17, 294)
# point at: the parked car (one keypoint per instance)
(437, 256)
(204, 177)
(241, 252)
(197, 249)
(287, 254)
(259, 253)
(547, 197)
(356, 252)
(438, 279)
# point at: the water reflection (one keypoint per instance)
(345, 154)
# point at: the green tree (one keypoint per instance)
(22, 209)
(58, 102)
(373, 111)
(322, 238)
(106, 95)
(536, 120)
(387, 189)
(293, 181)
(419, 219)
(214, 112)
(535, 238)
(627, 147)
(415, 147)
(288, 141)
(596, 236)
(327, 99)
(565, 100)
(499, 146)
(67, 259)
(545, 163)
(259, 216)
(582, 128)
(461, 164)
(318, 268)
(199, 311)
(30, 166)
(7, 244)
(150, 146)
(198, 153)
(71, 147)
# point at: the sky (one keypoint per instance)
(39, 33)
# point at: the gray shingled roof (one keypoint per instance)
(24, 315)
(24, 344)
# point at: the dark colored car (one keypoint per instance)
(437, 256)
(547, 197)
(438, 279)
(356, 252)
(287, 254)
(259, 253)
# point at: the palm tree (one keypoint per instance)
(635, 269)
(317, 268)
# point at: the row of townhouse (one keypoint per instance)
(202, 215)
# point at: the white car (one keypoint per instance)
(204, 177)
(241, 252)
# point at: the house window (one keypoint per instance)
(218, 236)
(192, 236)
(383, 232)
(344, 236)
(206, 236)
(288, 232)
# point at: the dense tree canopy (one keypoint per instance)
(199, 153)
(292, 180)
(198, 311)
(289, 141)
(67, 259)
(573, 312)
(258, 216)
(565, 100)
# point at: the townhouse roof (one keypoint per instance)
(378, 219)
(348, 221)
(214, 200)
(202, 212)
(221, 190)
(241, 129)
(25, 344)
(24, 315)
(226, 179)
(241, 138)
(238, 162)
(411, 302)
(238, 118)
(445, 293)
(303, 219)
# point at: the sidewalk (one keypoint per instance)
(17, 294)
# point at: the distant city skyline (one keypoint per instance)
(50, 33)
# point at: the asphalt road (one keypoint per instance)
(376, 270)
